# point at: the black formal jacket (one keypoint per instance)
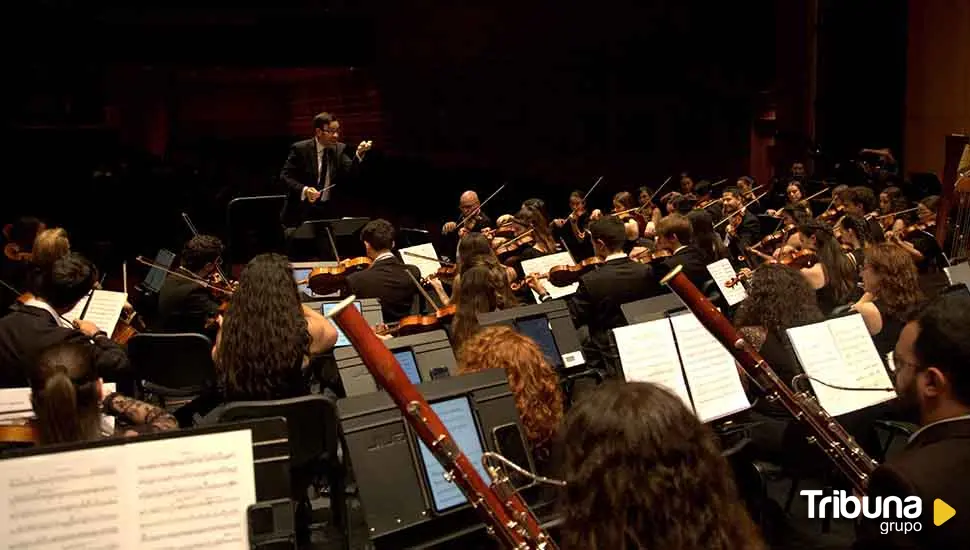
(27, 331)
(932, 466)
(387, 281)
(300, 170)
(693, 265)
(184, 306)
(747, 234)
(597, 301)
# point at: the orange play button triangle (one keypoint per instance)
(942, 512)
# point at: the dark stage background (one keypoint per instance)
(189, 107)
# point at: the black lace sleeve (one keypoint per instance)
(139, 413)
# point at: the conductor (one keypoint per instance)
(312, 172)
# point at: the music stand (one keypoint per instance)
(342, 231)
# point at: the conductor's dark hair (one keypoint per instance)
(323, 120)
(67, 280)
(201, 250)
(65, 395)
(379, 233)
(610, 231)
(942, 341)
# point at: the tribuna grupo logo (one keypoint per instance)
(898, 514)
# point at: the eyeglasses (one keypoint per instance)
(900, 364)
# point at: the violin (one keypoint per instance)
(329, 279)
(799, 259)
(20, 433)
(417, 324)
(832, 213)
(775, 238)
(561, 275)
(911, 230)
(648, 256)
(14, 254)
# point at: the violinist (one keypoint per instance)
(38, 323)
(471, 213)
(651, 214)
(892, 293)
(742, 228)
(386, 279)
(918, 239)
(537, 243)
(861, 201)
(185, 306)
(17, 250)
(703, 237)
(686, 184)
(892, 200)
(481, 289)
(854, 237)
(572, 228)
(597, 301)
(746, 186)
(473, 250)
(625, 207)
(795, 193)
(833, 276)
(675, 237)
(50, 245)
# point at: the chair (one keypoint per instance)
(171, 365)
(314, 435)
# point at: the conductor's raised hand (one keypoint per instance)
(363, 147)
(312, 195)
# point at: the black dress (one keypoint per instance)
(892, 326)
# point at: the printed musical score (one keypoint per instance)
(426, 266)
(179, 493)
(841, 352)
(543, 265)
(648, 353)
(710, 371)
(722, 271)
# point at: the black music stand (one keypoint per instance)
(342, 233)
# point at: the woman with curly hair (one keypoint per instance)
(481, 289)
(833, 277)
(891, 282)
(642, 471)
(533, 381)
(267, 336)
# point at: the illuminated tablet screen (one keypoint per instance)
(407, 361)
(456, 414)
(537, 328)
(301, 274)
(326, 308)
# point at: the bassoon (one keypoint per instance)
(505, 514)
(823, 430)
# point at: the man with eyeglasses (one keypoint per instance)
(313, 170)
(932, 359)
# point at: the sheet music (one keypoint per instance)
(105, 308)
(713, 379)
(78, 309)
(722, 271)
(427, 267)
(648, 353)
(841, 352)
(542, 265)
(15, 402)
(958, 274)
(188, 492)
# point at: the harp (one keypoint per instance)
(953, 216)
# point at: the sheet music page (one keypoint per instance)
(73, 499)
(543, 265)
(189, 492)
(713, 379)
(840, 352)
(648, 353)
(427, 267)
(78, 309)
(15, 402)
(722, 271)
(105, 309)
(192, 492)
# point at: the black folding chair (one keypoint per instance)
(314, 436)
(171, 367)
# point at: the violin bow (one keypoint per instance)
(815, 195)
(480, 205)
(333, 245)
(423, 257)
(662, 185)
(743, 206)
(196, 280)
(598, 180)
(195, 233)
(423, 292)
(908, 210)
